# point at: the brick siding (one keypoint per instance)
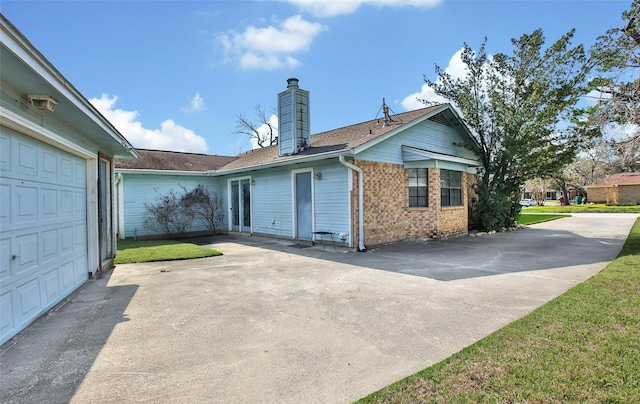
(387, 215)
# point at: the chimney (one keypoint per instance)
(293, 119)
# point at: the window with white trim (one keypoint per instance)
(418, 188)
(450, 188)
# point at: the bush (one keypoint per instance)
(168, 215)
(206, 205)
(172, 214)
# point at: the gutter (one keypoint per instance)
(353, 167)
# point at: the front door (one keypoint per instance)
(240, 205)
(304, 207)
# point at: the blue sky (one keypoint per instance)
(175, 75)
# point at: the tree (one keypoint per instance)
(262, 131)
(617, 86)
(514, 106)
(204, 204)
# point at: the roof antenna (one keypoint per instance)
(385, 111)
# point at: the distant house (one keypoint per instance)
(56, 185)
(400, 176)
(618, 188)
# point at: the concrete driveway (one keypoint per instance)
(270, 322)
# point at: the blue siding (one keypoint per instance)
(272, 199)
(144, 188)
(426, 135)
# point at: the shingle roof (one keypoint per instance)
(337, 140)
(618, 179)
(169, 160)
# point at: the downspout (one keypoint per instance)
(353, 167)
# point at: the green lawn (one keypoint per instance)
(160, 250)
(583, 346)
(526, 219)
(588, 208)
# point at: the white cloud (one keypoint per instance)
(196, 104)
(272, 47)
(456, 68)
(332, 8)
(264, 131)
(170, 136)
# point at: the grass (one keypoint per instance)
(588, 208)
(527, 219)
(160, 250)
(583, 346)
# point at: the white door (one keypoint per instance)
(43, 228)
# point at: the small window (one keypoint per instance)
(418, 188)
(450, 188)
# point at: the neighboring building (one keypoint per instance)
(56, 172)
(618, 188)
(396, 177)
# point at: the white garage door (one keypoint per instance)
(43, 243)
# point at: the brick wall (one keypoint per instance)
(603, 195)
(387, 216)
(629, 193)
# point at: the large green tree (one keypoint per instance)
(616, 89)
(516, 105)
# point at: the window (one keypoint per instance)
(450, 188)
(418, 188)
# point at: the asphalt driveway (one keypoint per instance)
(270, 322)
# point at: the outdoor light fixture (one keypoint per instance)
(317, 176)
(43, 102)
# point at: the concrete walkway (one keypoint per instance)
(271, 323)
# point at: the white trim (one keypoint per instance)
(120, 206)
(161, 172)
(93, 246)
(361, 246)
(25, 126)
(294, 210)
(230, 203)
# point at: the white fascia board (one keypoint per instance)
(438, 156)
(160, 172)
(25, 51)
(287, 162)
(20, 124)
(380, 139)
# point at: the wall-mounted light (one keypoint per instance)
(43, 102)
(253, 182)
(317, 176)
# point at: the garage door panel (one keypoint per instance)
(49, 164)
(50, 286)
(5, 152)
(49, 243)
(5, 204)
(7, 323)
(28, 300)
(5, 263)
(27, 257)
(27, 163)
(49, 205)
(26, 200)
(68, 275)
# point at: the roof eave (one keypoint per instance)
(282, 163)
